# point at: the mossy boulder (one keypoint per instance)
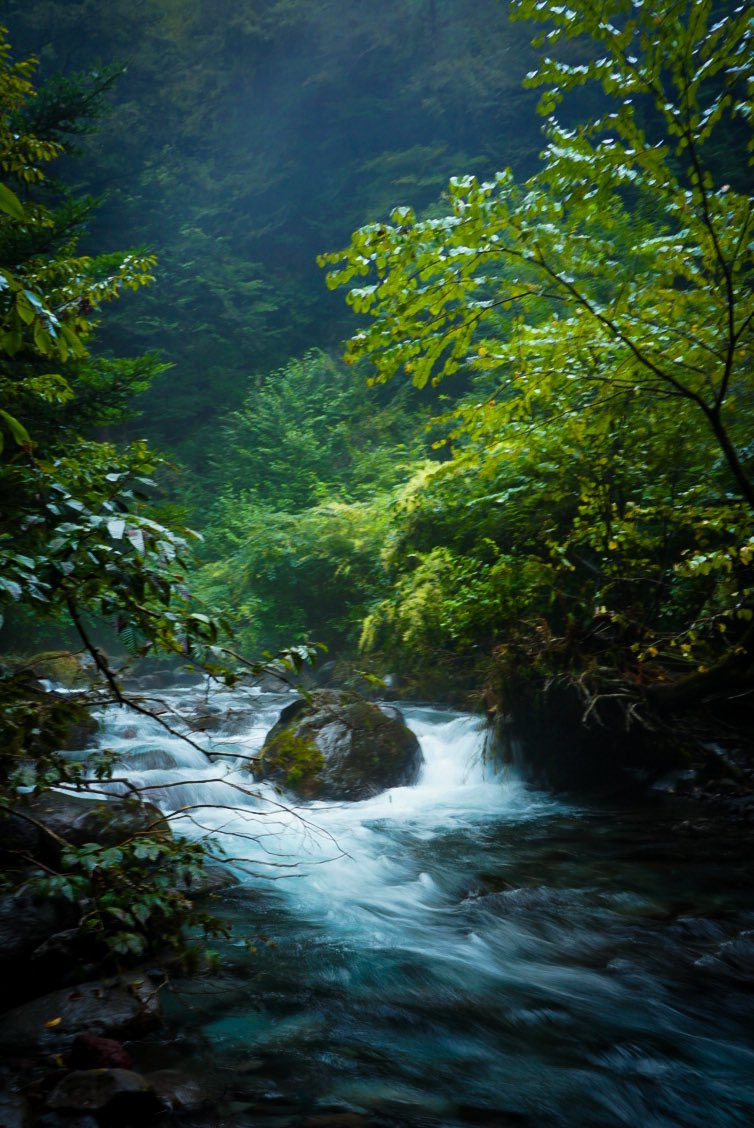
(336, 746)
(79, 730)
(60, 666)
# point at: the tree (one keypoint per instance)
(80, 544)
(614, 287)
(77, 536)
(308, 432)
(293, 540)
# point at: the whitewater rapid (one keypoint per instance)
(332, 859)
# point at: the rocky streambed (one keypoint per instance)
(457, 949)
(66, 1051)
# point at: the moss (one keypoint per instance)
(58, 666)
(294, 759)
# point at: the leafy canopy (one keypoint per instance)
(623, 265)
(600, 486)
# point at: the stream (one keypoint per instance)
(465, 951)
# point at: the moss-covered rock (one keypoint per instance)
(335, 746)
(60, 666)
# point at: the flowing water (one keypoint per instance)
(464, 951)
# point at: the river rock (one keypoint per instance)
(91, 1051)
(212, 879)
(147, 760)
(177, 1091)
(335, 1120)
(161, 679)
(228, 721)
(270, 682)
(86, 1089)
(278, 677)
(65, 1119)
(113, 1008)
(61, 666)
(18, 836)
(325, 673)
(26, 920)
(79, 818)
(64, 723)
(14, 1111)
(81, 731)
(334, 746)
(546, 739)
(189, 678)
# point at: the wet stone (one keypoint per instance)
(334, 746)
(79, 819)
(121, 1009)
(148, 759)
(28, 919)
(14, 1111)
(65, 1120)
(93, 1089)
(335, 1120)
(212, 880)
(177, 1091)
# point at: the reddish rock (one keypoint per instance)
(91, 1051)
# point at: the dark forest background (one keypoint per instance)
(242, 140)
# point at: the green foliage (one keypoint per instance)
(80, 544)
(77, 536)
(308, 432)
(600, 495)
(83, 544)
(295, 576)
(670, 316)
(69, 106)
(35, 727)
(216, 153)
(293, 543)
(136, 896)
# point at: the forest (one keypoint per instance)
(379, 361)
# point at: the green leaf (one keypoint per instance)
(11, 205)
(17, 430)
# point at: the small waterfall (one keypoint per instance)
(333, 854)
